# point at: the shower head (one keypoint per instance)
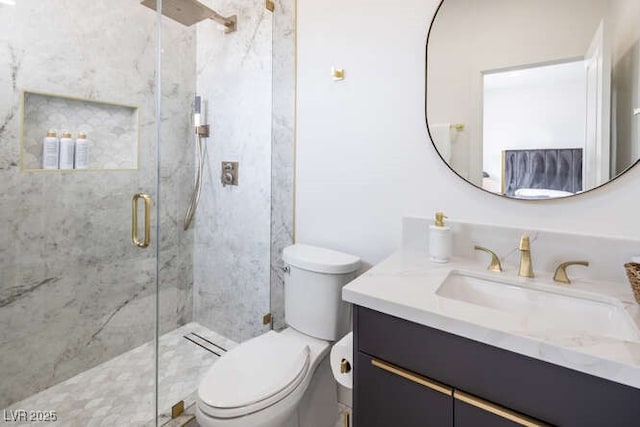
(189, 12)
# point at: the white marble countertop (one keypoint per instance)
(405, 284)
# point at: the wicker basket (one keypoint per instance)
(633, 273)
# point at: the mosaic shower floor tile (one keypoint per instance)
(120, 392)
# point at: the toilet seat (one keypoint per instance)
(255, 375)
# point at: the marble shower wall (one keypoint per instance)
(74, 292)
(233, 223)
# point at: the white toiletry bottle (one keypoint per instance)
(440, 240)
(82, 152)
(67, 148)
(50, 151)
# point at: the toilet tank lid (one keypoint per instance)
(320, 260)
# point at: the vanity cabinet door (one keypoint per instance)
(387, 395)
(471, 411)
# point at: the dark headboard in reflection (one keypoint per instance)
(555, 169)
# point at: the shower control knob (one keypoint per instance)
(229, 173)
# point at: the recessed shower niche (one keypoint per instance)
(111, 128)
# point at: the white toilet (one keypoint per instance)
(283, 379)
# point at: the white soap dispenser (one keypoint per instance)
(440, 240)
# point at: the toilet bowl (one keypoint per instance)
(261, 382)
(283, 379)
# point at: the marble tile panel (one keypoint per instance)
(25, 219)
(232, 243)
(9, 113)
(175, 193)
(78, 317)
(8, 257)
(184, 298)
(87, 224)
(224, 309)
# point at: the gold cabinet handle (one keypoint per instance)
(147, 220)
(418, 379)
(497, 410)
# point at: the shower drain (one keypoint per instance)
(208, 345)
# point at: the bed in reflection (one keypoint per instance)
(542, 173)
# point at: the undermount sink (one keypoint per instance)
(543, 308)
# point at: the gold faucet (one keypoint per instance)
(495, 265)
(526, 267)
(561, 272)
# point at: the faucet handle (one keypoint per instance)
(495, 265)
(525, 244)
(560, 275)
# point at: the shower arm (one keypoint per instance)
(230, 23)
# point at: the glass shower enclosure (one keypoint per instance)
(110, 311)
(75, 294)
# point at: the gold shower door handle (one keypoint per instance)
(147, 220)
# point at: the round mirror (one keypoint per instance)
(535, 99)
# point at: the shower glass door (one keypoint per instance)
(77, 298)
(214, 276)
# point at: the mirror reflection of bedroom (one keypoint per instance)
(534, 131)
(536, 111)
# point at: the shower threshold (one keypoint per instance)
(119, 392)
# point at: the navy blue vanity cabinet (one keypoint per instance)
(403, 372)
(393, 397)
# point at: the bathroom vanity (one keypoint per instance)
(425, 356)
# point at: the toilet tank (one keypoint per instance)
(313, 290)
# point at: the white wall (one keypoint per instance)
(364, 159)
(626, 31)
(533, 108)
